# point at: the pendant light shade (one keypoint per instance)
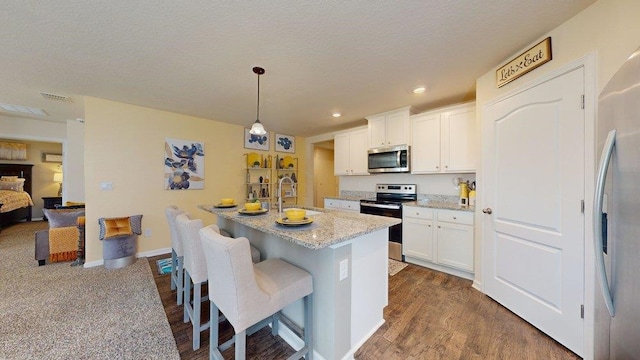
(257, 128)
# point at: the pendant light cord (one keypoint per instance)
(258, 107)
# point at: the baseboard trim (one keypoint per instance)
(149, 253)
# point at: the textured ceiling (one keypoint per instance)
(195, 57)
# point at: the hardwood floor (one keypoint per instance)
(431, 315)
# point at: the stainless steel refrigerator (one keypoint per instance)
(617, 216)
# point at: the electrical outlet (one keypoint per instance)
(147, 232)
(344, 269)
(106, 186)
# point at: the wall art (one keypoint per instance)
(256, 142)
(285, 143)
(13, 151)
(183, 165)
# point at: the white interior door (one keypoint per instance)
(534, 183)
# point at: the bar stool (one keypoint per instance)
(195, 272)
(250, 295)
(177, 256)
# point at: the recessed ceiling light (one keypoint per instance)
(336, 114)
(419, 90)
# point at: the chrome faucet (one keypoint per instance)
(280, 192)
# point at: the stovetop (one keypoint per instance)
(394, 194)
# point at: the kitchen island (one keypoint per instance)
(346, 253)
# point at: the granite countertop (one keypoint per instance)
(329, 227)
(440, 205)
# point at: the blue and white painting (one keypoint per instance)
(183, 165)
(256, 142)
(285, 143)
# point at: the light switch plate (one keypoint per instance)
(344, 269)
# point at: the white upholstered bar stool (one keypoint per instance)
(177, 256)
(251, 296)
(195, 273)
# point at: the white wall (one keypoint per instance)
(441, 184)
(31, 129)
(73, 189)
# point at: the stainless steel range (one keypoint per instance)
(388, 202)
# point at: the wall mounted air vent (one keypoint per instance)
(55, 97)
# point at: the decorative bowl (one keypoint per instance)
(295, 214)
(226, 201)
(252, 206)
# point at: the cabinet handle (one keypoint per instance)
(446, 166)
(437, 167)
(487, 211)
(439, 227)
(454, 218)
(429, 225)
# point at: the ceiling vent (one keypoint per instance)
(55, 97)
(23, 109)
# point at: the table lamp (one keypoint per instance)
(57, 177)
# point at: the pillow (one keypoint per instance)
(122, 226)
(114, 227)
(17, 185)
(9, 178)
(63, 217)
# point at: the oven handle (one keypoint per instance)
(381, 206)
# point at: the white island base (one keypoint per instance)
(346, 312)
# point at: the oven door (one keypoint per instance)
(395, 231)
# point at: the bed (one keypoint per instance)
(24, 212)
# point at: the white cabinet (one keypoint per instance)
(347, 205)
(439, 239)
(444, 140)
(390, 128)
(350, 153)
(418, 233)
(455, 239)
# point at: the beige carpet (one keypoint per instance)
(395, 266)
(61, 312)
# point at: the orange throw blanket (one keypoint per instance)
(63, 244)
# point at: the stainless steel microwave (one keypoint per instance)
(395, 159)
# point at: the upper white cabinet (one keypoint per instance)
(444, 140)
(350, 153)
(390, 128)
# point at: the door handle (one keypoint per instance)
(487, 211)
(605, 159)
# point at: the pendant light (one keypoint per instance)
(257, 128)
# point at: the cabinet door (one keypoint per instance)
(455, 245)
(331, 204)
(358, 159)
(425, 148)
(459, 140)
(398, 128)
(377, 131)
(417, 238)
(350, 205)
(341, 152)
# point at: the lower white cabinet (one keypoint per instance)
(348, 205)
(439, 239)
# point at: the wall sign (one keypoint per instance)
(525, 62)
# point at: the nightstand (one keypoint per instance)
(50, 203)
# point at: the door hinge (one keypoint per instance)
(582, 206)
(581, 311)
(581, 101)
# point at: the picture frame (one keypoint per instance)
(183, 164)
(256, 142)
(285, 143)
